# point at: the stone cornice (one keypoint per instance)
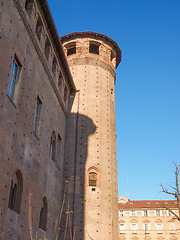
(94, 35)
(93, 62)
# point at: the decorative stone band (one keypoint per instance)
(93, 62)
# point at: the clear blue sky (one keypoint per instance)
(147, 84)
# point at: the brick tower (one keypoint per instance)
(91, 165)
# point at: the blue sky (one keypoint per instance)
(147, 84)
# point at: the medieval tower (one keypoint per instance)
(91, 165)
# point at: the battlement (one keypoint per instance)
(92, 45)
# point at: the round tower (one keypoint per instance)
(90, 162)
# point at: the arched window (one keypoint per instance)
(16, 192)
(29, 6)
(54, 66)
(65, 94)
(47, 48)
(43, 215)
(58, 150)
(92, 179)
(39, 28)
(53, 146)
(60, 81)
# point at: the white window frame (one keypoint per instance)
(133, 213)
(172, 228)
(122, 227)
(169, 214)
(159, 213)
(159, 227)
(134, 227)
(146, 227)
(143, 213)
(121, 213)
(14, 77)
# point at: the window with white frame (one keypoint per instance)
(159, 227)
(121, 227)
(158, 213)
(134, 227)
(133, 213)
(146, 227)
(14, 77)
(172, 227)
(169, 213)
(145, 213)
(121, 213)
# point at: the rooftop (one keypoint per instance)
(148, 204)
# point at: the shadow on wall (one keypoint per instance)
(79, 128)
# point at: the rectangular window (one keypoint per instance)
(172, 228)
(58, 150)
(37, 116)
(145, 213)
(121, 227)
(71, 48)
(169, 214)
(133, 213)
(71, 51)
(121, 213)
(133, 227)
(14, 77)
(94, 47)
(159, 227)
(158, 213)
(146, 227)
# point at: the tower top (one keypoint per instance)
(96, 36)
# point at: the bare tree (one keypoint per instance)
(174, 192)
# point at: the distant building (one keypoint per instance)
(147, 219)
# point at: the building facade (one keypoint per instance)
(57, 129)
(151, 219)
(36, 86)
(92, 58)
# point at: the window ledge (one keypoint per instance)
(11, 101)
(58, 167)
(42, 230)
(35, 135)
(14, 212)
